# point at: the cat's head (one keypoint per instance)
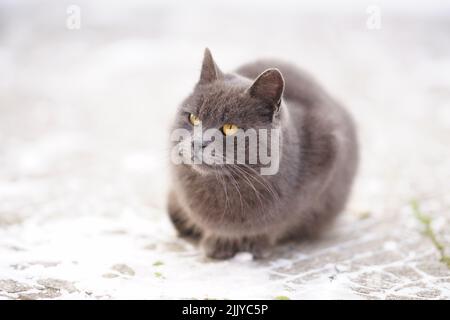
(229, 120)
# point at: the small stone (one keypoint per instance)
(57, 284)
(405, 272)
(364, 215)
(150, 246)
(175, 247)
(123, 269)
(48, 293)
(12, 286)
(429, 294)
(115, 232)
(376, 281)
(46, 264)
(434, 268)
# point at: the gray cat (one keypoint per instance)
(230, 208)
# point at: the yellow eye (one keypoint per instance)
(229, 129)
(194, 120)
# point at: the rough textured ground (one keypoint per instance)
(83, 126)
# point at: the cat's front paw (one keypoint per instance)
(260, 252)
(220, 249)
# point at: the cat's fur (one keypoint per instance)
(318, 161)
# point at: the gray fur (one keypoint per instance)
(231, 212)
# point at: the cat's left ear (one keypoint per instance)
(210, 71)
(269, 86)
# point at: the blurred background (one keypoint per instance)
(87, 93)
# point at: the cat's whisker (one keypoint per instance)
(264, 209)
(257, 193)
(236, 185)
(223, 183)
(256, 176)
(245, 175)
(262, 181)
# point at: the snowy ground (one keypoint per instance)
(83, 125)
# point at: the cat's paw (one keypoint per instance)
(222, 248)
(259, 247)
(260, 253)
(219, 249)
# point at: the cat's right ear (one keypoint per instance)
(210, 71)
(268, 86)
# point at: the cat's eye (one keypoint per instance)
(194, 120)
(229, 129)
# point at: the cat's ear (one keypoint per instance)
(210, 71)
(269, 86)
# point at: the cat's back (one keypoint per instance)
(308, 103)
